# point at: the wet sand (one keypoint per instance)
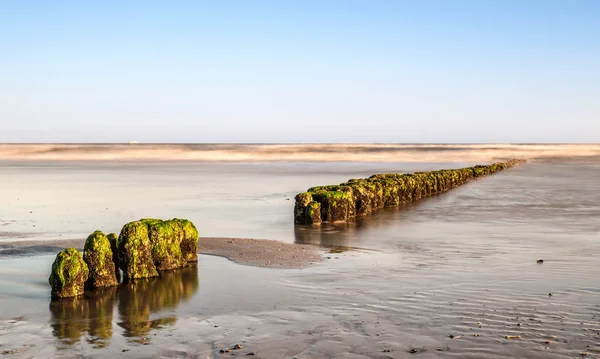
(262, 253)
(455, 276)
(317, 312)
(254, 252)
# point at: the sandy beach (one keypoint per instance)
(300, 179)
(453, 276)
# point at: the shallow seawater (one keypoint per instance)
(54, 200)
(448, 277)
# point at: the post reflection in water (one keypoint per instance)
(339, 235)
(72, 318)
(359, 232)
(330, 235)
(92, 315)
(139, 299)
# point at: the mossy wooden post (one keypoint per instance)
(165, 243)
(98, 256)
(478, 171)
(335, 204)
(135, 258)
(390, 192)
(69, 274)
(189, 242)
(442, 184)
(407, 188)
(302, 201)
(378, 195)
(313, 213)
(363, 195)
(114, 247)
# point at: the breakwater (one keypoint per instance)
(142, 250)
(361, 197)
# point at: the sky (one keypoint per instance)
(393, 71)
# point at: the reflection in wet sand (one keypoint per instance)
(100, 313)
(340, 235)
(69, 319)
(358, 232)
(137, 301)
(72, 318)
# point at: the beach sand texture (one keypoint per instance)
(452, 276)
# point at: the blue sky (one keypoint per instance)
(300, 71)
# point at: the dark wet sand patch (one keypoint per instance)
(261, 252)
(254, 252)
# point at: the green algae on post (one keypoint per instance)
(69, 274)
(114, 247)
(189, 242)
(313, 213)
(360, 197)
(165, 243)
(302, 201)
(151, 245)
(142, 249)
(98, 256)
(135, 258)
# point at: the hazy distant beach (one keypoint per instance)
(436, 153)
(450, 276)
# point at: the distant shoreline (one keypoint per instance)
(305, 143)
(429, 153)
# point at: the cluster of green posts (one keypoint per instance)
(361, 197)
(142, 250)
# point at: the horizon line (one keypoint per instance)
(298, 143)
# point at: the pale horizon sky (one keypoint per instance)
(308, 71)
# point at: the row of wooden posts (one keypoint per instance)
(143, 249)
